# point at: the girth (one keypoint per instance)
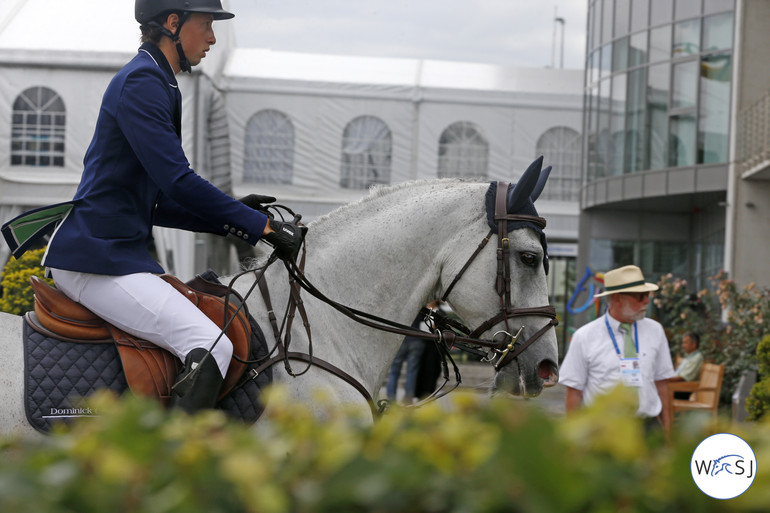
(150, 370)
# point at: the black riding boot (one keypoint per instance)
(197, 386)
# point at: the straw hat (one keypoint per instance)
(625, 279)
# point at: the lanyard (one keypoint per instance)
(612, 336)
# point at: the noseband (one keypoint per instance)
(506, 350)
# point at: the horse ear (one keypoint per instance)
(540, 184)
(519, 195)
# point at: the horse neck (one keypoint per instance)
(380, 255)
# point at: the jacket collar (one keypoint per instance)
(160, 59)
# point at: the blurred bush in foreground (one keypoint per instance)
(471, 455)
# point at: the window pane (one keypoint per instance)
(635, 119)
(712, 6)
(463, 152)
(594, 69)
(658, 258)
(622, 9)
(657, 111)
(611, 254)
(597, 40)
(714, 120)
(686, 38)
(38, 128)
(603, 129)
(718, 32)
(661, 11)
(681, 146)
(639, 14)
(660, 43)
(617, 124)
(607, 25)
(269, 148)
(685, 85)
(686, 9)
(606, 61)
(366, 153)
(637, 54)
(561, 146)
(620, 55)
(592, 143)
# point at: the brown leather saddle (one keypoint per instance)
(149, 370)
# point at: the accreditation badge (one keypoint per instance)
(631, 372)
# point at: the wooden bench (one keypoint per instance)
(704, 392)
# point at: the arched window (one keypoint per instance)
(366, 153)
(561, 148)
(269, 148)
(38, 128)
(463, 152)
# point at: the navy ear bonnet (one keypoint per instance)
(528, 208)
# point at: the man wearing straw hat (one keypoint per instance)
(620, 347)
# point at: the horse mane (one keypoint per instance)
(379, 190)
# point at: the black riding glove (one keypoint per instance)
(256, 201)
(286, 238)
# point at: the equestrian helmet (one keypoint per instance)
(147, 10)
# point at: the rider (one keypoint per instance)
(135, 176)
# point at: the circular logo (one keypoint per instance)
(723, 466)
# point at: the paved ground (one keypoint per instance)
(478, 377)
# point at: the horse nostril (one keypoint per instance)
(547, 371)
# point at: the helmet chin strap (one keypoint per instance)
(184, 64)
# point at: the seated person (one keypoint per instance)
(689, 368)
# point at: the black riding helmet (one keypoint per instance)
(152, 12)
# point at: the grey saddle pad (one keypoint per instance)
(57, 373)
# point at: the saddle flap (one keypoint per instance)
(239, 330)
(61, 315)
(150, 370)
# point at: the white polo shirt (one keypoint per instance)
(592, 364)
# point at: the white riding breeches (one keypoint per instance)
(145, 306)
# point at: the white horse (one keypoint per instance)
(388, 254)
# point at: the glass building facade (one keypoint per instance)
(657, 107)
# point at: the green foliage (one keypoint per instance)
(466, 455)
(733, 343)
(758, 402)
(680, 311)
(17, 294)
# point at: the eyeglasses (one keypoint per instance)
(638, 296)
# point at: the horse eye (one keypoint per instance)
(528, 259)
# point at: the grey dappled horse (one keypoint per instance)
(388, 254)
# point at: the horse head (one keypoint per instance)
(505, 290)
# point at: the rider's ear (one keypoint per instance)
(172, 22)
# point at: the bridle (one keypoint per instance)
(447, 333)
(506, 349)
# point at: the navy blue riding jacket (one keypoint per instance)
(136, 175)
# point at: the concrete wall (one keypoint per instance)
(750, 201)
